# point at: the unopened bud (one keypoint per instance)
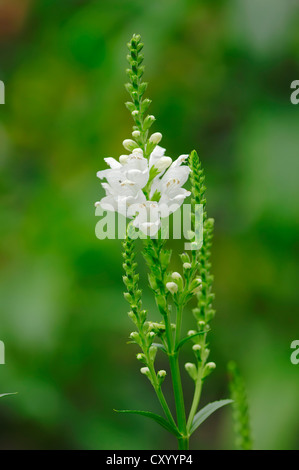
(145, 371)
(155, 138)
(191, 369)
(129, 144)
(148, 122)
(134, 335)
(123, 159)
(172, 287)
(138, 151)
(191, 332)
(163, 163)
(140, 357)
(209, 367)
(187, 266)
(161, 375)
(176, 276)
(136, 134)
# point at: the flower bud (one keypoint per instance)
(152, 352)
(136, 134)
(185, 258)
(138, 151)
(196, 285)
(196, 347)
(148, 122)
(123, 159)
(145, 371)
(129, 144)
(155, 138)
(161, 375)
(187, 266)
(191, 369)
(135, 112)
(128, 296)
(163, 163)
(172, 287)
(209, 367)
(176, 276)
(191, 332)
(134, 335)
(140, 357)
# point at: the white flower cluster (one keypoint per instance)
(144, 189)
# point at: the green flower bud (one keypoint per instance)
(191, 369)
(152, 353)
(161, 376)
(187, 266)
(209, 367)
(148, 122)
(141, 357)
(145, 371)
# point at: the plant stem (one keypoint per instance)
(177, 383)
(178, 324)
(160, 396)
(196, 398)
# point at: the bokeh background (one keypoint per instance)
(220, 75)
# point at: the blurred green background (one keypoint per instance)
(220, 75)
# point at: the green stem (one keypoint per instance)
(178, 324)
(160, 396)
(183, 443)
(196, 398)
(176, 381)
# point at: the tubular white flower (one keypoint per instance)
(127, 178)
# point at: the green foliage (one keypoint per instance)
(240, 408)
(205, 412)
(165, 424)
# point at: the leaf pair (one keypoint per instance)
(199, 418)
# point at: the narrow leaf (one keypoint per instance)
(6, 394)
(160, 346)
(206, 411)
(165, 424)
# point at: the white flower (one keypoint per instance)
(133, 181)
(147, 217)
(170, 185)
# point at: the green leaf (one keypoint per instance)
(6, 394)
(206, 411)
(184, 340)
(165, 424)
(160, 346)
